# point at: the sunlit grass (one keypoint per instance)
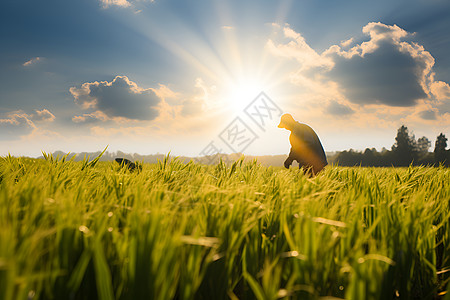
(80, 230)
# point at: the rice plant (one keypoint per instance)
(174, 230)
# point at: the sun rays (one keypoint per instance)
(225, 54)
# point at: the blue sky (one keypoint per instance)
(159, 76)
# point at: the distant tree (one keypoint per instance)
(423, 144)
(349, 158)
(404, 149)
(370, 157)
(440, 154)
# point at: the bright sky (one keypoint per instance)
(184, 76)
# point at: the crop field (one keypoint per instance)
(94, 230)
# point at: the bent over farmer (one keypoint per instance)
(306, 147)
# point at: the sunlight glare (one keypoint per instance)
(242, 93)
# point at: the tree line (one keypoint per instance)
(404, 152)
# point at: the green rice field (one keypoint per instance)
(174, 230)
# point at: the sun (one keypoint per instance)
(241, 93)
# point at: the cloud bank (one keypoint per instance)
(120, 98)
(383, 70)
(387, 69)
(15, 124)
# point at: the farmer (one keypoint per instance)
(306, 147)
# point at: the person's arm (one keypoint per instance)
(289, 160)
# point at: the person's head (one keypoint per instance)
(287, 122)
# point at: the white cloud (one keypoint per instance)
(18, 118)
(440, 90)
(378, 31)
(91, 117)
(298, 49)
(167, 94)
(200, 102)
(16, 124)
(120, 99)
(386, 70)
(187, 104)
(347, 43)
(120, 3)
(181, 114)
(44, 115)
(32, 61)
